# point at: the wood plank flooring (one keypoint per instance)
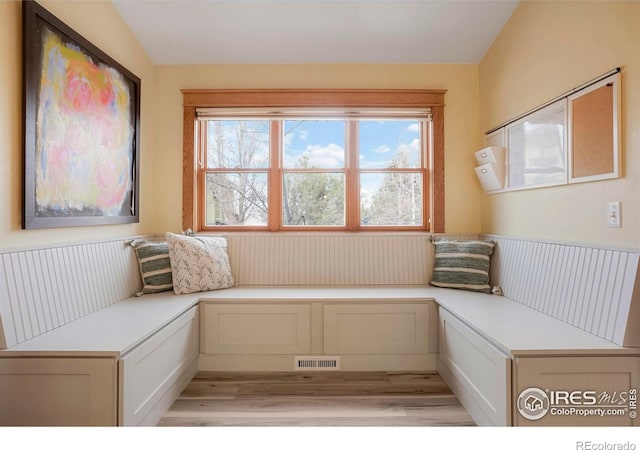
(316, 399)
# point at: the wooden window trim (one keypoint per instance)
(346, 98)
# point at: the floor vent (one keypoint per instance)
(317, 363)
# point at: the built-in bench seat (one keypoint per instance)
(112, 331)
(76, 353)
(491, 348)
(121, 365)
(517, 330)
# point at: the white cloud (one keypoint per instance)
(330, 156)
(303, 134)
(415, 127)
(382, 149)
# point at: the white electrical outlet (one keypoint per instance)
(613, 215)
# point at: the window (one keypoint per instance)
(391, 159)
(313, 173)
(236, 154)
(310, 166)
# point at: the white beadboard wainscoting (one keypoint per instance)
(43, 289)
(590, 288)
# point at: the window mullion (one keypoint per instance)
(201, 168)
(275, 175)
(352, 200)
(429, 176)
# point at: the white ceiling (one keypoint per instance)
(315, 31)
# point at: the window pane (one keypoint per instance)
(238, 144)
(237, 199)
(389, 143)
(313, 199)
(314, 144)
(391, 199)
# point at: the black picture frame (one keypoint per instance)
(81, 129)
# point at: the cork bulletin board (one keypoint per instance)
(593, 132)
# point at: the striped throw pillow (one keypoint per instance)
(155, 265)
(462, 265)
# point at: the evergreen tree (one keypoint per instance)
(314, 199)
(398, 199)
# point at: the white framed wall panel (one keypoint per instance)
(58, 391)
(476, 371)
(363, 328)
(152, 368)
(612, 375)
(256, 329)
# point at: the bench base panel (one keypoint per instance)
(58, 391)
(580, 390)
(348, 363)
(476, 371)
(368, 334)
(151, 372)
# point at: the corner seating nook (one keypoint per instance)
(80, 350)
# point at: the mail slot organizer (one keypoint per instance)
(491, 171)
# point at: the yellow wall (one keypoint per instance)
(462, 135)
(161, 138)
(545, 49)
(101, 24)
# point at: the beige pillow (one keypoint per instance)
(199, 263)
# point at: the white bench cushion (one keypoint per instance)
(112, 331)
(517, 329)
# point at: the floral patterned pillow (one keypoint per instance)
(199, 263)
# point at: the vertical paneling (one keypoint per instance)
(43, 289)
(331, 259)
(620, 309)
(590, 288)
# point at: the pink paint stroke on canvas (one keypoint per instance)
(84, 146)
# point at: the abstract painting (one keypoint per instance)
(81, 129)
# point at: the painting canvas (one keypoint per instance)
(81, 129)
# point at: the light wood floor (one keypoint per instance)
(316, 399)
